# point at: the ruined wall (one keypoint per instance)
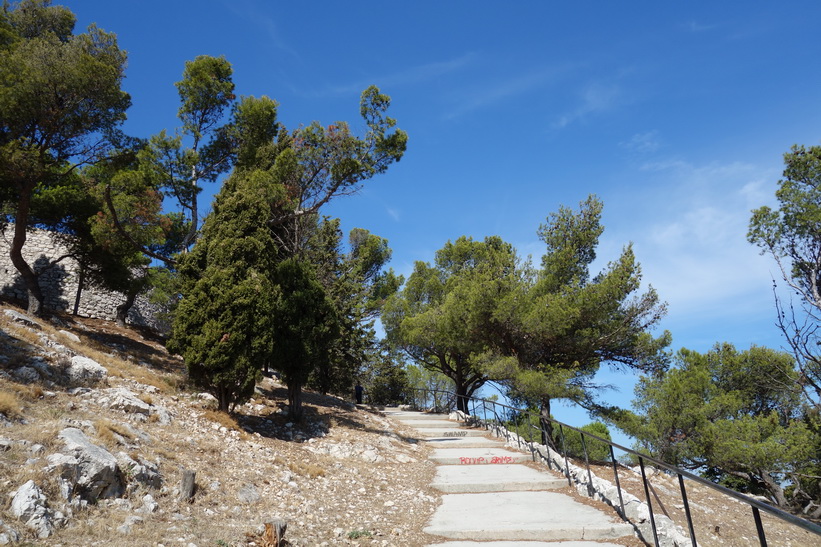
(59, 283)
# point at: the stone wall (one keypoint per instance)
(59, 282)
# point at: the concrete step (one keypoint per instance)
(413, 415)
(522, 516)
(455, 432)
(431, 424)
(494, 478)
(525, 544)
(477, 456)
(463, 442)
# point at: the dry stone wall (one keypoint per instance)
(59, 282)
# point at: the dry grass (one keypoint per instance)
(10, 405)
(107, 432)
(306, 469)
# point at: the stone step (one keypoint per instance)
(522, 516)
(454, 432)
(414, 415)
(463, 442)
(525, 544)
(477, 456)
(431, 424)
(494, 478)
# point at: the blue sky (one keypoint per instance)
(675, 114)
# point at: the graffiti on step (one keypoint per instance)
(455, 434)
(479, 461)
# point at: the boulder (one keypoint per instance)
(70, 335)
(23, 319)
(30, 506)
(94, 472)
(83, 370)
(248, 494)
(26, 375)
(142, 472)
(126, 400)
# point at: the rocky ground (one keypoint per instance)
(98, 428)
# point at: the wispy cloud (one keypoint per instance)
(504, 89)
(643, 143)
(251, 13)
(410, 76)
(595, 98)
(697, 27)
(393, 213)
(690, 236)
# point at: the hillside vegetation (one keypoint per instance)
(344, 475)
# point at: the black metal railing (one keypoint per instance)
(445, 401)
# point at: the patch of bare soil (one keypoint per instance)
(344, 475)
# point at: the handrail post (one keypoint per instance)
(518, 436)
(687, 509)
(759, 526)
(618, 485)
(564, 450)
(649, 501)
(543, 434)
(590, 489)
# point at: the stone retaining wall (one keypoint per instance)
(59, 282)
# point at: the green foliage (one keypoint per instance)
(357, 285)
(562, 325)
(427, 389)
(791, 236)
(384, 378)
(304, 330)
(735, 414)
(444, 317)
(45, 136)
(223, 324)
(596, 450)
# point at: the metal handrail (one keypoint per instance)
(755, 505)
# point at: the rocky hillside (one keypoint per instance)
(99, 434)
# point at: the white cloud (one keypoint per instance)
(643, 143)
(410, 76)
(250, 12)
(594, 99)
(487, 95)
(690, 236)
(696, 27)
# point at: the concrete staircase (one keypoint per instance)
(490, 496)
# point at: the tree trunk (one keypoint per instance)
(35, 294)
(774, 488)
(295, 401)
(188, 485)
(547, 425)
(461, 398)
(222, 399)
(81, 279)
(123, 309)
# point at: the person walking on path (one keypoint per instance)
(358, 390)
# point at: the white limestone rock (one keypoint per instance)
(29, 504)
(126, 400)
(83, 370)
(96, 474)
